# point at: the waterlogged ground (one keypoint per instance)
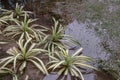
(91, 47)
(94, 23)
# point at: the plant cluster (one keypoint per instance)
(33, 39)
(69, 65)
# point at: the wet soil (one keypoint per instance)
(81, 24)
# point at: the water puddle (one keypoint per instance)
(90, 44)
(87, 38)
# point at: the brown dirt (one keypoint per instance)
(102, 76)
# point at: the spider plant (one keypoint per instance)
(17, 12)
(19, 57)
(11, 72)
(25, 27)
(4, 22)
(69, 65)
(57, 38)
(4, 19)
(8, 71)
